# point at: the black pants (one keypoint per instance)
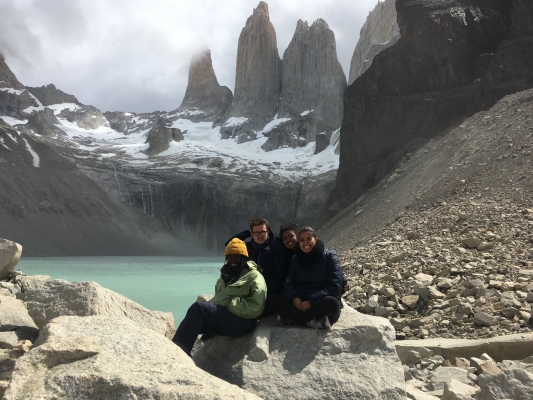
(328, 306)
(208, 318)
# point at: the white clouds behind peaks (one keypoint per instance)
(134, 55)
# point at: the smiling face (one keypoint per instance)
(307, 241)
(233, 259)
(289, 239)
(260, 233)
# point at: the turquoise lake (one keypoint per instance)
(158, 283)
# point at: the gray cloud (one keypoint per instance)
(133, 55)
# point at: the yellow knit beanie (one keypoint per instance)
(236, 246)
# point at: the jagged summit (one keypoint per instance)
(379, 32)
(257, 78)
(313, 85)
(7, 77)
(205, 99)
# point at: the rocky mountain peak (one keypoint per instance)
(379, 32)
(313, 85)
(257, 79)
(49, 95)
(205, 99)
(7, 77)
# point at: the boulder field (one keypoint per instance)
(79, 340)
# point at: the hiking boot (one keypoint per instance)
(284, 321)
(319, 323)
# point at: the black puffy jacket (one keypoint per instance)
(313, 281)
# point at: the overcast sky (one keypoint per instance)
(134, 55)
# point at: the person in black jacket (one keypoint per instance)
(287, 234)
(314, 288)
(267, 251)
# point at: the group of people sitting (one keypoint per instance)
(292, 275)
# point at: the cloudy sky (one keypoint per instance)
(133, 55)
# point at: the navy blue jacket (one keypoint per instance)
(322, 278)
(270, 257)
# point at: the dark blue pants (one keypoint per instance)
(208, 318)
(327, 306)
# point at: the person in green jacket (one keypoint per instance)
(240, 295)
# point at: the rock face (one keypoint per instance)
(110, 357)
(514, 382)
(343, 364)
(379, 32)
(45, 123)
(257, 79)
(7, 77)
(313, 86)
(205, 99)
(58, 298)
(10, 253)
(454, 59)
(49, 95)
(14, 316)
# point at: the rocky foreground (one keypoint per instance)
(79, 340)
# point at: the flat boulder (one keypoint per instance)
(14, 316)
(355, 360)
(61, 298)
(102, 357)
(9, 257)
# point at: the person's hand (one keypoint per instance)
(297, 302)
(306, 305)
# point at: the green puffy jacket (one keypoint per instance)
(246, 296)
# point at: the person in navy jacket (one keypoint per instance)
(267, 251)
(312, 294)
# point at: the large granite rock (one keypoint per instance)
(205, 99)
(10, 253)
(313, 82)
(14, 316)
(61, 298)
(257, 79)
(158, 138)
(111, 358)
(514, 382)
(454, 59)
(379, 32)
(49, 95)
(355, 360)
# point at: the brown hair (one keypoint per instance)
(258, 221)
(307, 228)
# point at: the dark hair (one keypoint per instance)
(258, 221)
(307, 228)
(289, 226)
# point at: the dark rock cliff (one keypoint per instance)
(205, 99)
(257, 78)
(49, 95)
(454, 58)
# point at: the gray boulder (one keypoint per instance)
(355, 360)
(159, 139)
(58, 298)
(111, 358)
(10, 253)
(514, 382)
(14, 316)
